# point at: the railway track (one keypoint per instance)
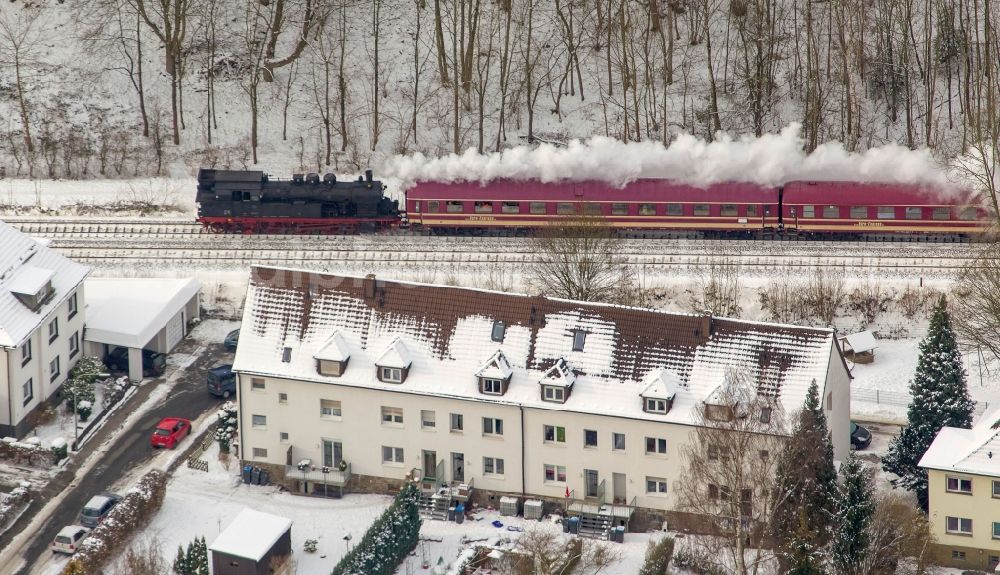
(181, 243)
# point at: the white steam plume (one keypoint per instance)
(769, 160)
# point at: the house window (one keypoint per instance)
(656, 485)
(391, 374)
(74, 344)
(764, 455)
(492, 466)
(329, 408)
(619, 209)
(765, 415)
(392, 415)
(537, 207)
(282, 398)
(656, 445)
(457, 424)
(553, 393)
(713, 491)
(554, 433)
(675, 209)
(590, 438)
(259, 420)
(555, 473)
(454, 207)
(579, 338)
(492, 386)
(428, 419)
(829, 401)
(959, 525)
(996, 489)
(28, 391)
(26, 353)
(618, 441)
(959, 485)
(713, 453)
(996, 530)
(565, 208)
(510, 207)
(647, 209)
(959, 555)
(54, 369)
(499, 329)
(257, 384)
(286, 355)
(492, 426)
(72, 307)
(392, 454)
(656, 405)
(283, 437)
(53, 330)
(259, 452)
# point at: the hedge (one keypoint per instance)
(125, 520)
(388, 541)
(658, 557)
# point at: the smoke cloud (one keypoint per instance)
(768, 160)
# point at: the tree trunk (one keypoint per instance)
(439, 39)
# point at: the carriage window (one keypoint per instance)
(808, 211)
(967, 213)
(537, 207)
(942, 213)
(592, 209)
(859, 212)
(752, 211)
(914, 213)
(565, 208)
(454, 207)
(647, 209)
(484, 207)
(886, 213)
(433, 206)
(510, 207)
(619, 209)
(728, 210)
(701, 209)
(831, 211)
(675, 209)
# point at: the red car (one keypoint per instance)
(170, 431)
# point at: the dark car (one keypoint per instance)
(98, 508)
(222, 381)
(860, 437)
(153, 363)
(232, 338)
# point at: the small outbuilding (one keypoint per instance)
(255, 543)
(859, 347)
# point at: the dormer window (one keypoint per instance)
(394, 364)
(579, 339)
(654, 405)
(557, 383)
(553, 393)
(499, 330)
(494, 375)
(391, 374)
(661, 388)
(332, 358)
(492, 386)
(33, 287)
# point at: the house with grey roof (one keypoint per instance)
(41, 326)
(364, 382)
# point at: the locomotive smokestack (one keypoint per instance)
(368, 175)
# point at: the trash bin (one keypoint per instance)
(255, 476)
(574, 525)
(459, 513)
(620, 534)
(264, 478)
(565, 524)
(451, 513)
(247, 469)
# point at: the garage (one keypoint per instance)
(137, 321)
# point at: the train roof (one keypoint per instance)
(873, 193)
(651, 190)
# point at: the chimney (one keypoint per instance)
(705, 325)
(369, 285)
(368, 175)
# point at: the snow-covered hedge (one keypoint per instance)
(24, 452)
(114, 391)
(12, 503)
(125, 519)
(388, 541)
(658, 557)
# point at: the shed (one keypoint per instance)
(255, 543)
(859, 347)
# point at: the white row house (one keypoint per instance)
(367, 382)
(41, 326)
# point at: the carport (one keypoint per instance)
(138, 313)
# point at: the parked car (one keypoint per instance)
(153, 363)
(232, 338)
(98, 508)
(222, 381)
(69, 538)
(860, 437)
(169, 432)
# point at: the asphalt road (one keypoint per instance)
(188, 399)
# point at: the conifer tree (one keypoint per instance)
(855, 507)
(198, 562)
(807, 483)
(940, 398)
(180, 562)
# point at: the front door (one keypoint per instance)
(430, 464)
(458, 467)
(590, 475)
(618, 487)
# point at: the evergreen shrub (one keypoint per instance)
(388, 541)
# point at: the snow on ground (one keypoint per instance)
(69, 197)
(210, 331)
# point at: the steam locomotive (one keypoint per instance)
(250, 202)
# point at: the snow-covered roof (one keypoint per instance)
(251, 534)
(496, 367)
(448, 332)
(661, 384)
(395, 355)
(560, 375)
(862, 341)
(23, 264)
(130, 311)
(335, 349)
(975, 450)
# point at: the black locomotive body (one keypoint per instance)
(251, 202)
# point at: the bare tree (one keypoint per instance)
(826, 293)
(976, 303)
(899, 538)
(168, 20)
(717, 288)
(21, 33)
